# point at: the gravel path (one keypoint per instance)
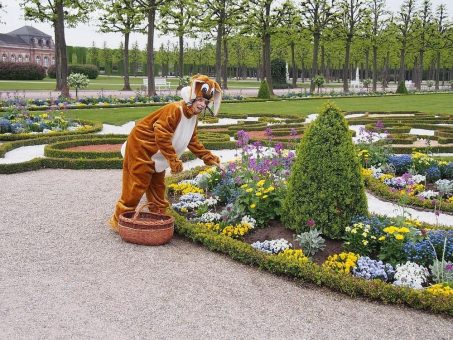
(64, 274)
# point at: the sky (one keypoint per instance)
(85, 34)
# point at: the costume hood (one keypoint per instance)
(202, 86)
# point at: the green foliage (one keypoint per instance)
(77, 81)
(402, 88)
(311, 242)
(325, 183)
(278, 72)
(263, 92)
(21, 71)
(91, 71)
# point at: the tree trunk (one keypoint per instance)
(150, 52)
(314, 66)
(437, 70)
(420, 70)
(127, 85)
(225, 64)
(64, 88)
(293, 61)
(402, 73)
(57, 57)
(367, 63)
(346, 64)
(375, 68)
(267, 62)
(218, 52)
(181, 56)
(323, 66)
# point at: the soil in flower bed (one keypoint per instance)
(276, 230)
(262, 135)
(97, 148)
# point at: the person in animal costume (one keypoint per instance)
(158, 140)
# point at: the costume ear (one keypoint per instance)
(217, 98)
(185, 94)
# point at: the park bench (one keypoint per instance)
(160, 83)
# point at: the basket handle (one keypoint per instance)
(140, 209)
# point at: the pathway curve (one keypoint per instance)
(64, 274)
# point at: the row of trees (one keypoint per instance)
(339, 32)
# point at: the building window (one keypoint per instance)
(27, 58)
(4, 57)
(46, 61)
(13, 58)
(53, 60)
(19, 58)
(38, 59)
(48, 43)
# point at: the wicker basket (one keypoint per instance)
(145, 228)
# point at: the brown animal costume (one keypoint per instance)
(157, 141)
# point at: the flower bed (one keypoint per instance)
(386, 259)
(21, 124)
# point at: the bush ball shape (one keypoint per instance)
(325, 183)
(263, 92)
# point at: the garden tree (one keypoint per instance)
(423, 31)
(352, 14)
(93, 54)
(325, 184)
(317, 16)
(179, 17)
(218, 18)
(260, 23)
(442, 39)
(244, 53)
(289, 25)
(107, 58)
(59, 13)
(150, 8)
(135, 58)
(405, 24)
(78, 81)
(378, 23)
(125, 17)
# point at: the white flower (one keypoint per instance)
(250, 221)
(418, 178)
(411, 275)
(428, 194)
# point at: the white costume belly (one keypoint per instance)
(180, 141)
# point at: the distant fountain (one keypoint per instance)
(355, 84)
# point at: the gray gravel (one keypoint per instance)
(64, 274)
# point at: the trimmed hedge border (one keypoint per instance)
(313, 273)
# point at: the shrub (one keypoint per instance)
(21, 71)
(52, 72)
(401, 88)
(325, 183)
(263, 92)
(91, 71)
(447, 171)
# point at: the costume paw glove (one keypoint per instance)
(213, 160)
(176, 166)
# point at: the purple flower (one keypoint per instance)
(242, 138)
(311, 223)
(268, 133)
(449, 267)
(278, 148)
(379, 125)
(293, 132)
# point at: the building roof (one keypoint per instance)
(29, 30)
(6, 39)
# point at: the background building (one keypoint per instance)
(27, 45)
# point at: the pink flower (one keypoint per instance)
(311, 223)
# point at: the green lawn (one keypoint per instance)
(432, 103)
(116, 83)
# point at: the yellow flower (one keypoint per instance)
(249, 190)
(260, 183)
(265, 196)
(243, 186)
(399, 237)
(258, 194)
(382, 238)
(365, 242)
(252, 206)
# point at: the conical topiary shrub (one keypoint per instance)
(325, 184)
(402, 88)
(263, 92)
